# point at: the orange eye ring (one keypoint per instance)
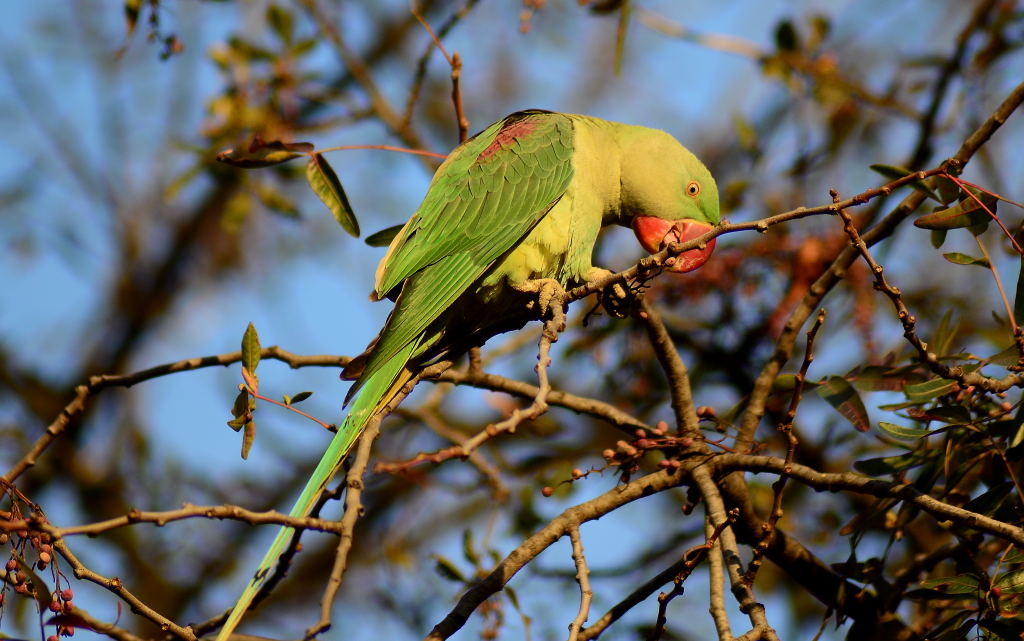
(693, 189)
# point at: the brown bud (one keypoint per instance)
(577, 473)
(548, 490)
(12, 565)
(661, 427)
(706, 412)
(44, 557)
(609, 455)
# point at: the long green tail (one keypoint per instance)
(377, 392)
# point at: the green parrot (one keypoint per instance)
(510, 210)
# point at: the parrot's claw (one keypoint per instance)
(549, 292)
(616, 299)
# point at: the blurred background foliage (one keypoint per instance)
(127, 245)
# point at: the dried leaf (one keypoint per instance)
(326, 185)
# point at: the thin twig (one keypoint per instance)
(716, 584)
(100, 382)
(404, 150)
(583, 579)
(768, 527)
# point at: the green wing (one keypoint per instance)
(487, 196)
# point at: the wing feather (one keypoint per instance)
(487, 196)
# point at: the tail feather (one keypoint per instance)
(377, 393)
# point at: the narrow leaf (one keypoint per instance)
(1011, 582)
(326, 185)
(131, 17)
(948, 190)
(929, 389)
(938, 237)
(251, 349)
(902, 432)
(264, 154)
(248, 438)
(891, 464)
(842, 396)
(448, 570)
(241, 405)
(383, 237)
(40, 591)
(967, 213)
(959, 584)
(963, 259)
(281, 22)
(301, 396)
(276, 201)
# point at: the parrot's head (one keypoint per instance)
(668, 195)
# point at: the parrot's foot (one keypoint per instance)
(616, 298)
(549, 292)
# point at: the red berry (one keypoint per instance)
(55, 606)
(67, 594)
(69, 606)
(45, 548)
(44, 557)
(53, 637)
(12, 565)
(547, 491)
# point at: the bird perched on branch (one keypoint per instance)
(511, 216)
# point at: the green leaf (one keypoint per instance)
(959, 584)
(945, 334)
(276, 201)
(938, 236)
(301, 396)
(842, 396)
(786, 37)
(892, 464)
(280, 21)
(963, 259)
(248, 437)
(446, 569)
(241, 406)
(892, 172)
(967, 213)
(1010, 582)
(989, 502)
(264, 154)
(948, 190)
(383, 237)
(237, 423)
(469, 549)
(326, 185)
(132, 8)
(929, 389)
(39, 589)
(902, 432)
(1003, 629)
(251, 349)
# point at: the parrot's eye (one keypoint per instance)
(693, 188)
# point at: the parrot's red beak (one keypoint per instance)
(655, 233)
